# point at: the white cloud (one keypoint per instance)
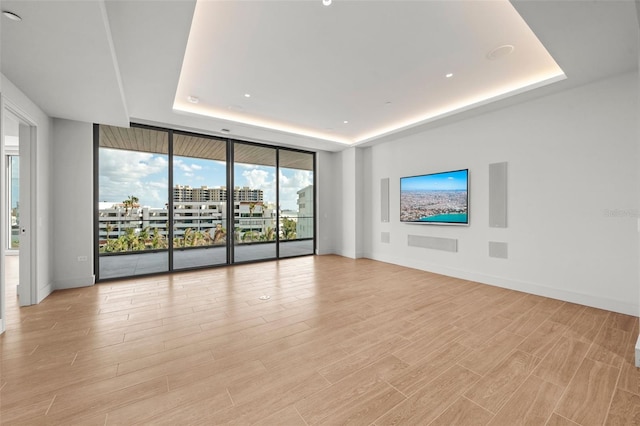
(257, 178)
(290, 185)
(125, 173)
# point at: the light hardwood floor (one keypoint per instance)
(340, 341)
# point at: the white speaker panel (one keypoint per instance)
(498, 250)
(435, 243)
(498, 195)
(384, 200)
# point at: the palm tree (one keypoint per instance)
(157, 241)
(130, 203)
(220, 235)
(108, 228)
(269, 234)
(187, 238)
(144, 236)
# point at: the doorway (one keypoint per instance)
(18, 143)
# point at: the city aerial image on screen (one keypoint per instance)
(436, 198)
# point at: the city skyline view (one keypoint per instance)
(145, 175)
(439, 197)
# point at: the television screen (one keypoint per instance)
(436, 198)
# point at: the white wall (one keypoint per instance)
(572, 159)
(73, 203)
(24, 107)
(327, 178)
(348, 209)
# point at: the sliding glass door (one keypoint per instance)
(199, 201)
(133, 231)
(297, 204)
(170, 200)
(254, 202)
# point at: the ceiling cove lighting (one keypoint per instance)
(266, 117)
(463, 105)
(202, 110)
(11, 15)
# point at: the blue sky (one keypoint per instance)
(449, 181)
(145, 175)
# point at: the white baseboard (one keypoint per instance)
(45, 291)
(86, 281)
(638, 352)
(624, 307)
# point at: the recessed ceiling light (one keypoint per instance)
(326, 2)
(225, 130)
(500, 51)
(345, 122)
(247, 95)
(11, 16)
(449, 75)
(388, 103)
(193, 99)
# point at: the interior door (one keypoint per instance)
(26, 291)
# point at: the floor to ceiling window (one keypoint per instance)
(133, 224)
(164, 201)
(254, 202)
(199, 201)
(297, 229)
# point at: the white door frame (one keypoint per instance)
(27, 288)
(3, 223)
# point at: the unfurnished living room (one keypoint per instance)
(319, 212)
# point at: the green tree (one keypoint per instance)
(269, 234)
(130, 203)
(157, 241)
(288, 229)
(108, 228)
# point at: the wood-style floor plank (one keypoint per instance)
(531, 404)
(340, 341)
(500, 383)
(589, 393)
(463, 412)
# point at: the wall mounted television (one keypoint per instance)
(435, 198)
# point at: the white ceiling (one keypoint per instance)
(307, 67)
